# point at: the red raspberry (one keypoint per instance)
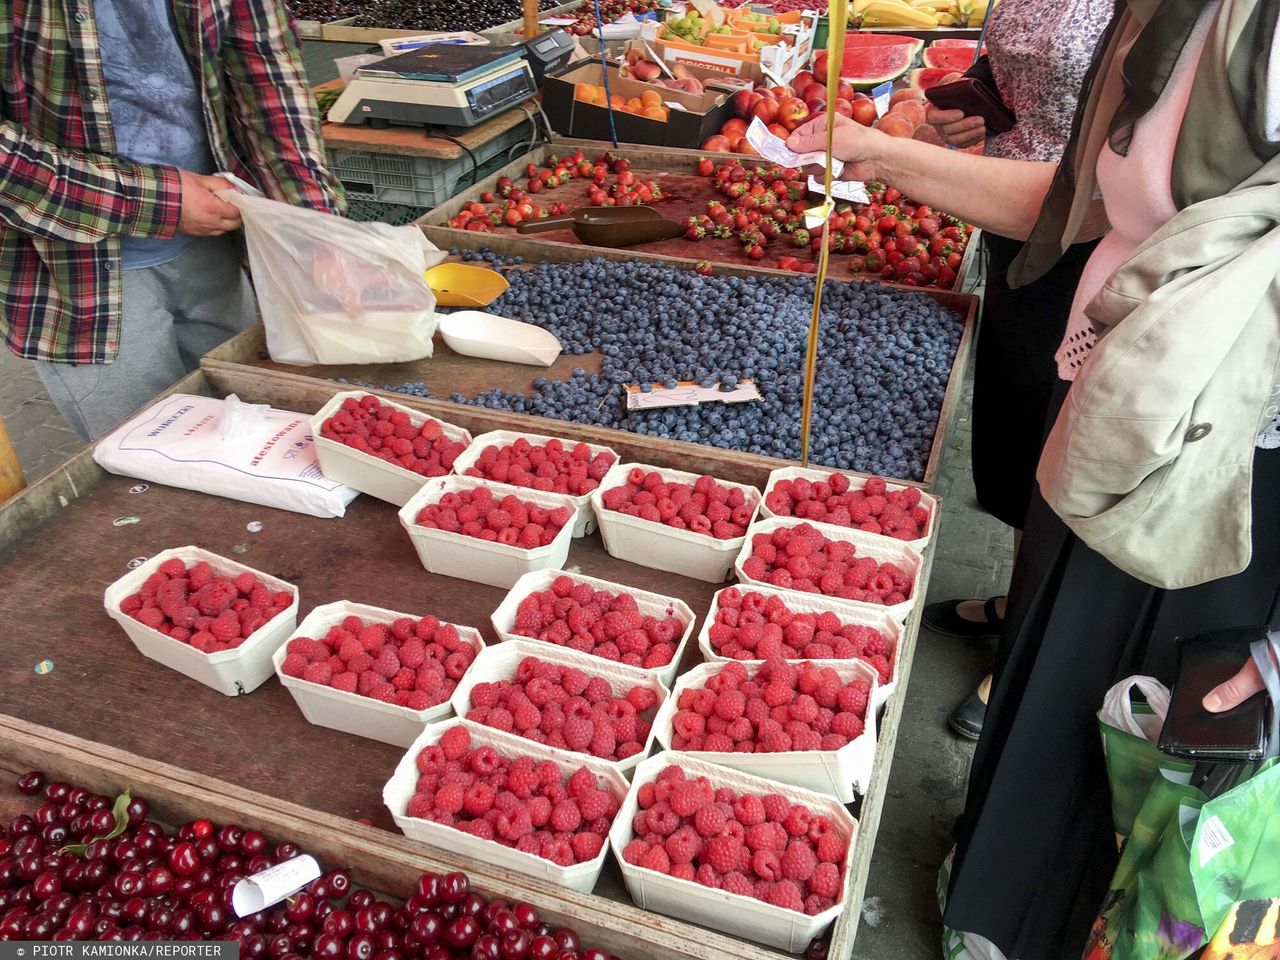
(586, 846)
(688, 798)
(578, 733)
(737, 883)
(683, 845)
(799, 861)
(294, 665)
(749, 810)
(455, 742)
(656, 859)
(596, 804)
(786, 894)
(775, 807)
(450, 798)
(825, 881)
(317, 673)
(709, 821)
(723, 853)
(565, 817)
(347, 682)
(853, 698)
(522, 783)
(766, 836)
(634, 852)
(766, 865)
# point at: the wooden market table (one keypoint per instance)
(84, 705)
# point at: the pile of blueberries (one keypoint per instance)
(883, 361)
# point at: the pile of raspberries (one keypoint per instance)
(194, 605)
(898, 514)
(800, 558)
(410, 663)
(370, 426)
(510, 521)
(704, 506)
(764, 847)
(782, 707)
(577, 616)
(552, 467)
(566, 708)
(757, 626)
(522, 803)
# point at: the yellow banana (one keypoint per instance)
(894, 13)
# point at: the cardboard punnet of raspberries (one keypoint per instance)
(682, 501)
(869, 504)
(405, 439)
(494, 787)
(540, 463)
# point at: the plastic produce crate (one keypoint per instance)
(417, 181)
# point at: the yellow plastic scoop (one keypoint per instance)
(461, 285)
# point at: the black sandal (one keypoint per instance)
(966, 719)
(944, 617)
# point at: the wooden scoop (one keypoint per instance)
(609, 226)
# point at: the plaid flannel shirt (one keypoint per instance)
(66, 199)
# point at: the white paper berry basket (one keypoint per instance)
(741, 916)
(656, 545)
(230, 672)
(401, 787)
(857, 482)
(649, 604)
(841, 773)
(482, 561)
(858, 614)
(363, 471)
(585, 519)
(499, 663)
(881, 549)
(352, 713)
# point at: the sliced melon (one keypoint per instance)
(957, 42)
(854, 45)
(869, 67)
(924, 78)
(950, 58)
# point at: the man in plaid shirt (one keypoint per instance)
(117, 265)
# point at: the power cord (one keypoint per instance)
(475, 166)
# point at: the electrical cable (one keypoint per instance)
(475, 165)
(604, 69)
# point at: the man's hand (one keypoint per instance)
(1235, 691)
(856, 145)
(956, 128)
(204, 214)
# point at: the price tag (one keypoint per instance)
(273, 885)
(558, 21)
(688, 394)
(852, 190)
(881, 95)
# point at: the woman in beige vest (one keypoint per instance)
(1159, 526)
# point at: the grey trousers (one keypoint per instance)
(174, 314)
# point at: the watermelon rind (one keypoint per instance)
(871, 66)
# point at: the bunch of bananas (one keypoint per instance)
(919, 14)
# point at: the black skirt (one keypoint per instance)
(1035, 847)
(1015, 375)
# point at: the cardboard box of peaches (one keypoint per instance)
(680, 109)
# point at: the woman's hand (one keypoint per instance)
(856, 145)
(1235, 691)
(956, 128)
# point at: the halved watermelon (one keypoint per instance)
(923, 78)
(951, 54)
(872, 58)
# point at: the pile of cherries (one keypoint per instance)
(74, 870)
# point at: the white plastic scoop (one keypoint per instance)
(474, 333)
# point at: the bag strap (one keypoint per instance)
(1266, 654)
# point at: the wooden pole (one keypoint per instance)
(11, 480)
(531, 28)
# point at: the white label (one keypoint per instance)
(273, 885)
(688, 395)
(672, 105)
(1214, 838)
(775, 149)
(881, 95)
(558, 21)
(852, 190)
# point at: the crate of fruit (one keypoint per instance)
(672, 529)
(524, 839)
(177, 609)
(345, 427)
(515, 530)
(665, 623)
(797, 492)
(772, 908)
(572, 468)
(373, 696)
(828, 745)
(564, 699)
(851, 565)
(829, 629)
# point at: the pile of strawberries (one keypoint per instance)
(410, 663)
(764, 847)
(552, 467)
(705, 506)
(800, 558)
(510, 521)
(520, 803)
(607, 625)
(782, 707)
(194, 605)
(370, 426)
(566, 708)
(756, 626)
(897, 513)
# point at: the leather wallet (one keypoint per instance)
(975, 99)
(1193, 733)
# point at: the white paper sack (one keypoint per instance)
(335, 291)
(242, 451)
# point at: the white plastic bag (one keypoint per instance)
(335, 291)
(227, 448)
(1117, 707)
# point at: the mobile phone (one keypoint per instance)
(1193, 733)
(975, 99)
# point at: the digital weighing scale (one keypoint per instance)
(448, 85)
